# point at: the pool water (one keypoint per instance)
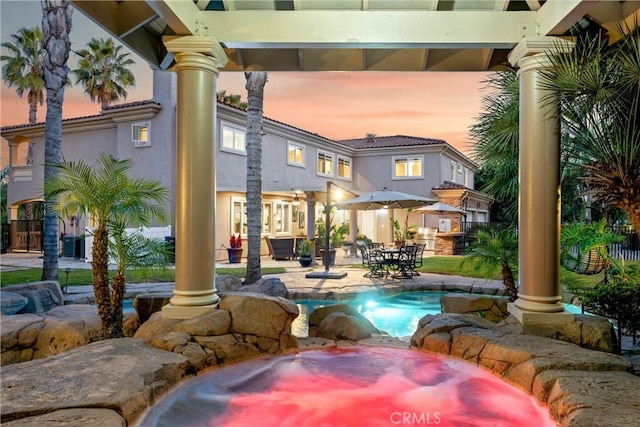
(347, 387)
(397, 315)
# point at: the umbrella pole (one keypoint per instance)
(327, 223)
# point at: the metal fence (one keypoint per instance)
(628, 248)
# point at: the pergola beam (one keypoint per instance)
(369, 29)
(555, 17)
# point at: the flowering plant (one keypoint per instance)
(235, 242)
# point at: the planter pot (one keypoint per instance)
(331, 257)
(235, 255)
(305, 260)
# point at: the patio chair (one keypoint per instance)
(372, 261)
(418, 262)
(406, 262)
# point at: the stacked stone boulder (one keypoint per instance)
(30, 336)
(580, 387)
(246, 325)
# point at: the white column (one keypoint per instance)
(197, 61)
(539, 297)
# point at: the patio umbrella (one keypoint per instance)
(440, 208)
(384, 199)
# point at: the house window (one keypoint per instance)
(282, 217)
(467, 174)
(233, 140)
(453, 171)
(239, 217)
(140, 135)
(407, 167)
(295, 154)
(325, 164)
(344, 167)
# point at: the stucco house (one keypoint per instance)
(297, 165)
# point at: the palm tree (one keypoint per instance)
(255, 96)
(496, 136)
(129, 250)
(598, 85)
(234, 100)
(493, 251)
(24, 70)
(56, 25)
(102, 71)
(107, 194)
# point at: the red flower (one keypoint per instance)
(235, 242)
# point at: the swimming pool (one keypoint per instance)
(397, 315)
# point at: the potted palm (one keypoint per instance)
(235, 251)
(304, 253)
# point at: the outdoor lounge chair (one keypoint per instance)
(280, 249)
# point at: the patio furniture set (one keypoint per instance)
(399, 263)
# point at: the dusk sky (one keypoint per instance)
(336, 105)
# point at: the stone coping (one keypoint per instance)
(350, 288)
(580, 387)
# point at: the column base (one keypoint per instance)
(171, 311)
(527, 316)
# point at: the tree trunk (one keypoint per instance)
(509, 282)
(115, 329)
(255, 95)
(56, 24)
(100, 267)
(33, 118)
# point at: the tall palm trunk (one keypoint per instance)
(100, 267)
(56, 24)
(33, 118)
(255, 95)
(117, 296)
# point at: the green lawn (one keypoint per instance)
(438, 264)
(83, 276)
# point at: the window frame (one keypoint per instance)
(266, 229)
(394, 159)
(348, 159)
(138, 143)
(333, 162)
(225, 126)
(303, 148)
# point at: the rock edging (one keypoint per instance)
(580, 387)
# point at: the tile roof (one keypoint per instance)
(93, 116)
(26, 125)
(390, 141)
(131, 104)
(450, 185)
